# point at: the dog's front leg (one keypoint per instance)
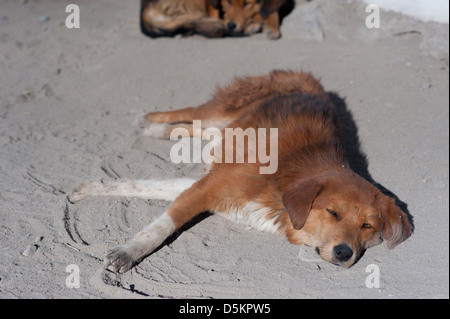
(189, 204)
(122, 258)
(272, 26)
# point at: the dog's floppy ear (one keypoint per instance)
(269, 6)
(298, 200)
(397, 226)
(214, 3)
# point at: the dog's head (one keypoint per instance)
(342, 215)
(240, 15)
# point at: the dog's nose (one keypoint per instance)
(343, 252)
(231, 25)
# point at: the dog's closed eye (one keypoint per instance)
(333, 213)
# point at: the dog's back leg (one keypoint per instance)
(145, 189)
(218, 113)
(190, 203)
(164, 131)
(163, 123)
(185, 115)
(211, 110)
(240, 96)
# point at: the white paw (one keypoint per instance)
(122, 258)
(81, 192)
(158, 130)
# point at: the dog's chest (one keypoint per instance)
(256, 216)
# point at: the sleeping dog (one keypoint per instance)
(211, 18)
(313, 198)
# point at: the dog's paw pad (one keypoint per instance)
(119, 259)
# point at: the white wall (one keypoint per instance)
(427, 10)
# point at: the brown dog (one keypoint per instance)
(311, 198)
(211, 18)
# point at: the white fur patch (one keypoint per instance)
(256, 216)
(165, 189)
(154, 234)
(156, 16)
(147, 189)
(156, 130)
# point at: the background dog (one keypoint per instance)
(211, 18)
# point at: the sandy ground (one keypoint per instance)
(70, 101)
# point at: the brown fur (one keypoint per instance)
(314, 197)
(170, 17)
(240, 17)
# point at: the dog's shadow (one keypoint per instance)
(352, 148)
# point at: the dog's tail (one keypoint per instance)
(210, 27)
(156, 24)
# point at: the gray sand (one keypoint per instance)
(70, 101)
